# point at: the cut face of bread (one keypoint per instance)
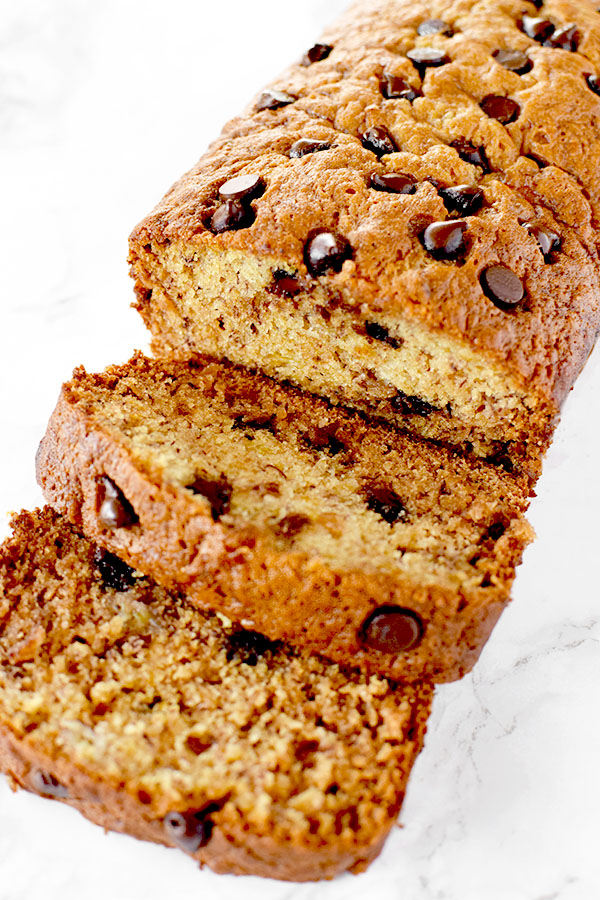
(152, 718)
(295, 519)
(411, 238)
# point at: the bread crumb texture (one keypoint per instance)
(112, 686)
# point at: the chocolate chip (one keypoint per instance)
(326, 251)
(316, 54)
(393, 183)
(292, 525)
(190, 830)
(284, 284)
(464, 199)
(114, 572)
(412, 406)
(254, 423)
(446, 240)
(305, 145)
(514, 60)
(271, 99)
(115, 510)
(386, 503)
(242, 187)
(567, 38)
(593, 82)
(391, 629)
(325, 439)
(304, 749)
(549, 241)
(378, 140)
(218, 493)
(502, 286)
(380, 333)
(395, 88)
(231, 216)
(46, 785)
(435, 26)
(424, 58)
(471, 154)
(248, 647)
(196, 745)
(501, 108)
(496, 530)
(537, 29)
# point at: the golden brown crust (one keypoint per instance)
(301, 597)
(542, 345)
(51, 723)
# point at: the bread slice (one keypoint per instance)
(295, 519)
(404, 223)
(155, 719)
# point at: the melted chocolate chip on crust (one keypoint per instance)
(501, 108)
(231, 216)
(446, 240)
(271, 99)
(464, 199)
(412, 406)
(393, 183)
(514, 60)
(424, 58)
(380, 333)
(536, 28)
(391, 629)
(502, 287)
(549, 241)
(304, 146)
(386, 503)
(325, 252)
(284, 284)
(567, 38)
(217, 492)
(593, 82)
(46, 785)
(190, 830)
(471, 154)
(395, 88)
(248, 647)
(378, 140)
(115, 574)
(115, 510)
(316, 54)
(242, 187)
(435, 26)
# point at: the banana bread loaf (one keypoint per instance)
(405, 222)
(294, 518)
(155, 719)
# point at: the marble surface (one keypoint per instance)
(103, 103)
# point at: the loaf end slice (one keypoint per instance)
(152, 718)
(414, 239)
(296, 519)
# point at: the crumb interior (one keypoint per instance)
(312, 479)
(147, 693)
(225, 301)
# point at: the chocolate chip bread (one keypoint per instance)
(294, 518)
(154, 719)
(405, 222)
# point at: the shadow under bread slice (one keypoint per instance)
(294, 519)
(155, 719)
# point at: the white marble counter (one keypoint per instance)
(103, 103)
